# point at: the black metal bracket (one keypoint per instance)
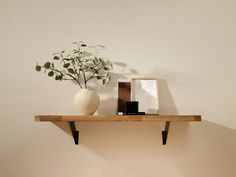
(75, 133)
(165, 133)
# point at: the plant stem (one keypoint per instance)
(75, 79)
(68, 75)
(78, 74)
(94, 72)
(85, 81)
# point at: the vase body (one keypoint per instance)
(86, 102)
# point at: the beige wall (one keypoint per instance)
(188, 44)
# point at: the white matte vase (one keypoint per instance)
(86, 102)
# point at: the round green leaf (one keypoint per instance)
(51, 73)
(70, 70)
(66, 65)
(106, 68)
(56, 57)
(58, 77)
(47, 65)
(38, 68)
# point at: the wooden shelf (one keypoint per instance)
(71, 119)
(117, 118)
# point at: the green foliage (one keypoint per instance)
(50, 73)
(38, 68)
(79, 65)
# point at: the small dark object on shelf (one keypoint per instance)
(134, 113)
(131, 106)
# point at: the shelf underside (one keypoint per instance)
(117, 118)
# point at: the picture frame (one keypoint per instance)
(146, 92)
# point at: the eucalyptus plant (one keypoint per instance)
(79, 66)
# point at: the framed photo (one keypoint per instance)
(145, 91)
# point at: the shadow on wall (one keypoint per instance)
(209, 151)
(166, 102)
(135, 149)
(204, 149)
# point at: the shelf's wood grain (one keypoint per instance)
(117, 118)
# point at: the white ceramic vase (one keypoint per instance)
(86, 101)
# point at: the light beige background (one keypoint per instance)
(188, 44)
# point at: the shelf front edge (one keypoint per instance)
(117, 118)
